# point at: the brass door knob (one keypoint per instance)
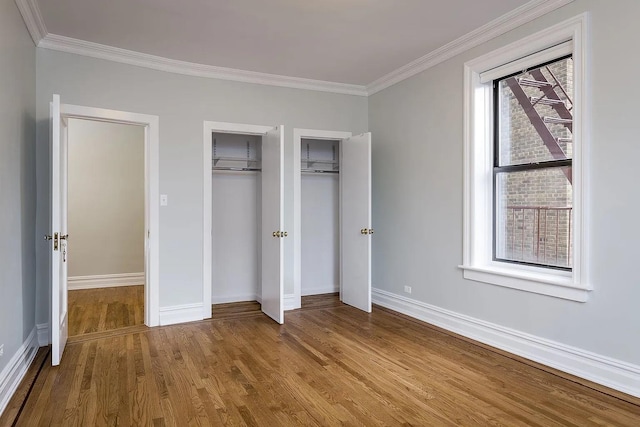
(48, 237)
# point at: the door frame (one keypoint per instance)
(294, 301)
(152, 199)
(207, 214)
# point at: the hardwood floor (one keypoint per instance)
(105, 309)
(330, 364)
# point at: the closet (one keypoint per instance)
(245, 248)
(332, 215)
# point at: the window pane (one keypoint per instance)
(534, 217)
(535, 116)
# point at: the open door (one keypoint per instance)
(59, 318)
(355, 224)
(272, 223)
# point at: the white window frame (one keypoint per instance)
(478, 263)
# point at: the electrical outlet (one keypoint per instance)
(407, 289)
(1, 350)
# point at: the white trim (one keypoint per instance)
(330, 289)
(507, 22)
(16, 369)
(520, 16)
(124, 56)
(152, 194)
(291, 302)
(298, 135)
(207, 216)
(181, 313)
(32, 18)
(478, 162)
(105, 281)
(43, 334)
(616, 374)
(234, 298)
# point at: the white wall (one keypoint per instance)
(106, 198)
(417, 208)
(182, 104)
(320, 247)
(236, 238)
(17, 189)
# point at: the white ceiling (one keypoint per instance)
(345, 41)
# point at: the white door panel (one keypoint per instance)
(272, 222)
(59, 250)
(355, 228)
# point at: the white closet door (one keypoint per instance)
(272, 223)
(355, 227)
(59, 255)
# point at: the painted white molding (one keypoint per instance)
(526, 13)
(14, 372)
(32, 18)
(330, 289)
(604, 370)
(507, 22)
(569, 36)
(105, 281)
(180, 314)
(110, 53)
(233, 298)
(43, 334)
(291, 302)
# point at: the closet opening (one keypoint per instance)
(320, 216)
(243, 217)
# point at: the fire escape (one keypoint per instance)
(549, 95)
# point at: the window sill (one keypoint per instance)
(555, 285)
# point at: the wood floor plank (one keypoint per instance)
(329, 364)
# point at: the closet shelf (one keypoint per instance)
(309, 170)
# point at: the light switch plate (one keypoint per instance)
(164, 200)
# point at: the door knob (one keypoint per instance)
(276, 234)
(64, 237)
(285, 234)
(48, 237)
(371, 231)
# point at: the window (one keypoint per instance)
(532, 166)
(525, 151)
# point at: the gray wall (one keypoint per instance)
(417, 208)
(182, 103)
(106, 198)
(17, 181)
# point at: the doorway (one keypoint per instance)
(105, 184)
(63, 245)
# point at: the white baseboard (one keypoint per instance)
(105, 281)
(43, 334)
(14, 372)
(233, 298)
(616, 374)
(291, 302)
(320, 290)
(180, 314)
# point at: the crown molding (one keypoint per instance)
(100, 51)
(520, 16)
(507, 22)
(32, 18)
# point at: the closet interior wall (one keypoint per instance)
(236, 214)
(320, 216)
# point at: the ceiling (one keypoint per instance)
(343, 41)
